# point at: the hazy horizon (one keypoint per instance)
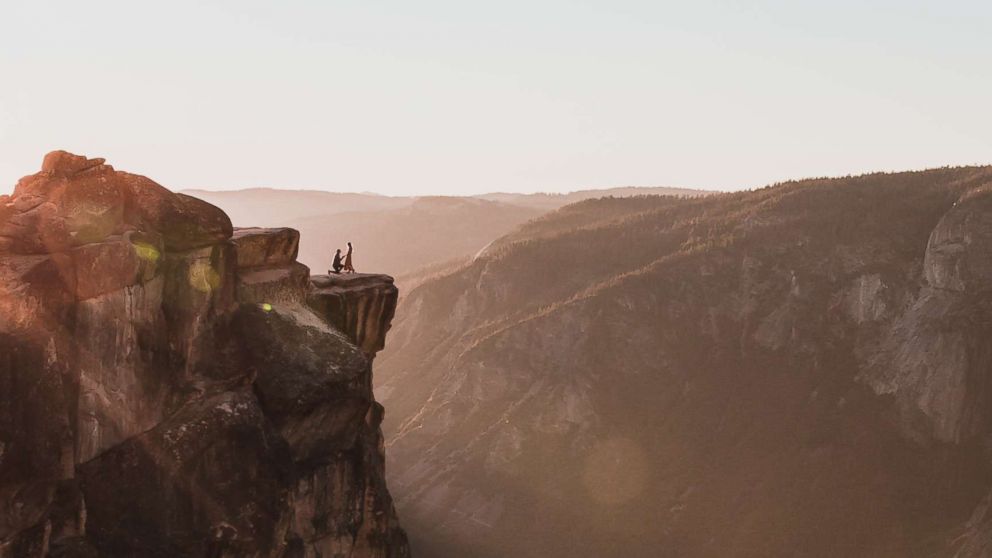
(6, 189)
(430, 195)
(596, 278)
(451, 98)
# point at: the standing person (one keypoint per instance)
(348, 268)
(336, 266)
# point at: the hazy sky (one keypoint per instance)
(463, 96)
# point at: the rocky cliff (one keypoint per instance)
(170, 386)
(801, 370)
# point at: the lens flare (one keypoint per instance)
(203, 277)
(92, 221)
(147, 252)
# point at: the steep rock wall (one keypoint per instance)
(358, 304)
(935, 356)
(165, 390)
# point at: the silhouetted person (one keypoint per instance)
(347, 260)
(336, 266)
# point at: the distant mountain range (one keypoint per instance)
(800, 370)
(396, 235)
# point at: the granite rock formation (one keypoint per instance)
(800, 370)
(167, 390)
(345, 298)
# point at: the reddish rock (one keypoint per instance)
(267, 268)
(344, 502)
(152, 405)
(183, 221)
(116, 263)
(266, 247)
(39, 230)
(27, 202)
(359, 305)
(65, 163)
(32, 287)
(90, 206)
(75, 201)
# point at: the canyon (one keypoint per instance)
(798, 370)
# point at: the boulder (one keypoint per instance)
(65, 163)
(266, 247)
(183, 221)
(89, 205)
(75, 201)
(274, 286)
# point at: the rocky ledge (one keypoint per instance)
(359, 304)
(172, 386)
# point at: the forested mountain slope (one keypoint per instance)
(800, 370)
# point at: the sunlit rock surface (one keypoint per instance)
(165, 390)
(267, 268)
(359, 304)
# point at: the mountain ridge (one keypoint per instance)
(516, 380)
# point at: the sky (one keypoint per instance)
(464, 97)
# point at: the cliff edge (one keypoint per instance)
(172, 386)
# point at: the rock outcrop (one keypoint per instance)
(957, 256)
(935, 356)
(167, 390)
(360, 305)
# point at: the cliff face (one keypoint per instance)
(934, 356)
(801, 370)
(167, 390)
